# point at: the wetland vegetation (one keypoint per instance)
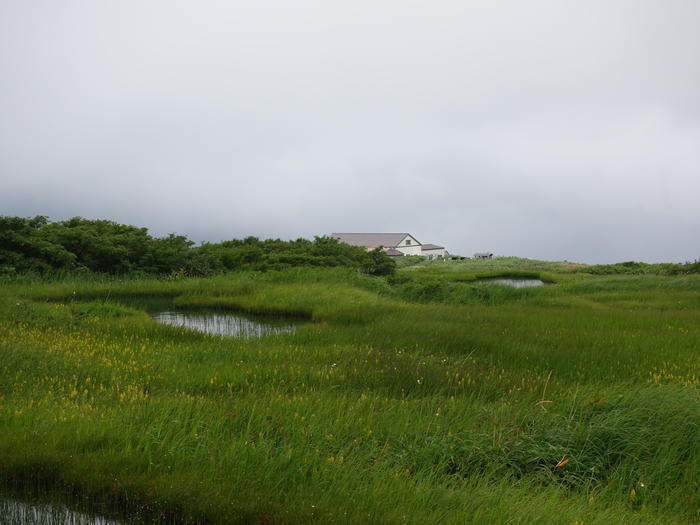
(422, 397)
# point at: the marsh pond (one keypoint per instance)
(514, 282)
(221, 322)
(17, 512)
(218, 322)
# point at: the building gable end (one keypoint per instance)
(411, 238)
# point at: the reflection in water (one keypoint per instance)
(515, 283)
(14, 512)
(226, 323)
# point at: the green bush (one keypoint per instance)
(43, 247)
(640, 268)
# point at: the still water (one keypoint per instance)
(227, 324)
(13, 512)
(214, 321)
(515, 283)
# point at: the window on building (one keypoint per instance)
(408, 241)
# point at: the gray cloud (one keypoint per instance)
(546, 129)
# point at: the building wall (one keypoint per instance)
(438, 252)
(413, 249)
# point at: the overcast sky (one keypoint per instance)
(548, 129)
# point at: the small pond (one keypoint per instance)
(514, 282)
(14, 512)
(224, 323)
(215, 321)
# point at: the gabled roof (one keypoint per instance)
(432, 247)
(372, 240)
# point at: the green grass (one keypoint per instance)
(496, 264)
(392, 406)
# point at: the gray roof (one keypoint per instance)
(432, 247)
(394, 253)
(371, 240)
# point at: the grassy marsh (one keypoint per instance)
(418, 399)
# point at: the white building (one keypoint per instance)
(431, 251)
(395, 244)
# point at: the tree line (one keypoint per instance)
(38, 245)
